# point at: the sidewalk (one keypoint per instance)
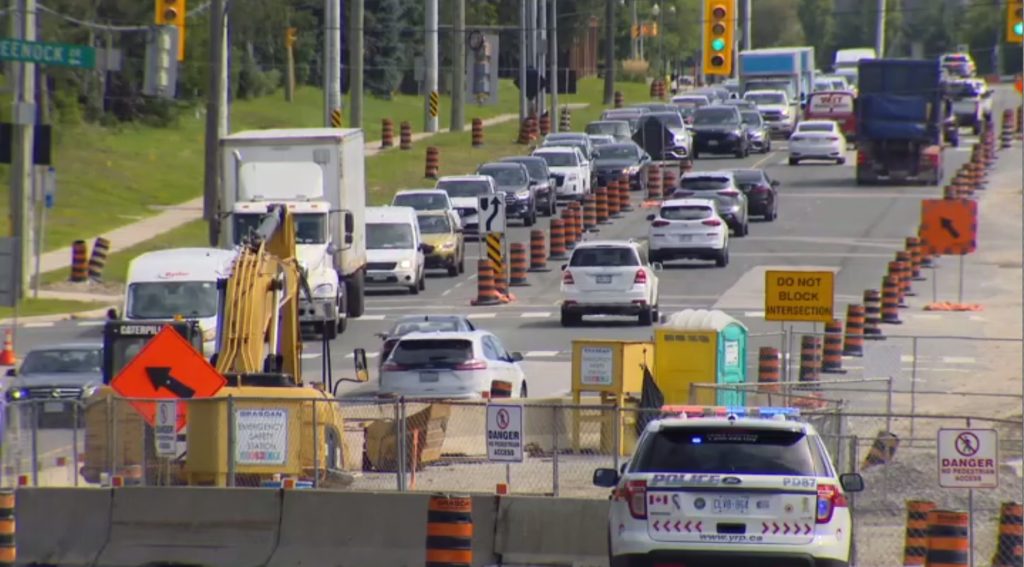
(174, 216)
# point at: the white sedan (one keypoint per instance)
(819, 140)
(688, 228)
(609, 277)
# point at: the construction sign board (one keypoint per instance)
(968, 458)
(949, 227)
(799, 296)
(505, 433)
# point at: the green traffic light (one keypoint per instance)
(1018, 28)
(718, 44)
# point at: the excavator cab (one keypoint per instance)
(123, 339)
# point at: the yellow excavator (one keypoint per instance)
(265, 423)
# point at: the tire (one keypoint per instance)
(696, 154)
(841, 161)
(646, 317)
(524, 392)
(570, 319)
(976, 128)
(793, 161)
(453, 270)
(530, 219)
(654, 256)
(722, 258)
(740, 152)
(422, 284)
(462, 260)
(414, 289)
(329, 330)
(341, 324)
(354, 292)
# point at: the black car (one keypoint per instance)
(514, 180)
(540, 177)
(664, 136)
(757, 131)
(719, 130)
(762, 192)
(614, 160)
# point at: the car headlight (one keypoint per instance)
(448, 246)
(18, 394)
(632, 170)
(524, 194)
(209, 335)
(756, 134)
(405, 264)
(571, 177)
(89, 390)
(734, 134)
(324, 290)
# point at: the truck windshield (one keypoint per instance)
(310, 228)
(789, 88)
(388, 236)
(464, 188)
(165, 300)
(766, 98)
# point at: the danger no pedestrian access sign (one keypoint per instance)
(505, 433)
(799, 295)
(968, 458)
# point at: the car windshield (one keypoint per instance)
(62, 361)
(690, 102)
(536, 168)
(766, 98)
(704, 183)
(751, 117)
(618, 152)
(560, 159)
(670, 119)
(748, 176)
(165, 300)
(714, 117)
(567, 143)
(728, 450)
(404, 328)
(421, 201)
(604, 257)
(310, 228)
(685, 212)
(464, 188)
(435, 224)
(432, 351)
(505, 175)
(610, 128)
(388, 236)
(814, 127)
(963, 90)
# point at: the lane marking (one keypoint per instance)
(482, 315)
(368, 355)
(753, 313)
(536, 315)
(542, 353)
(37, 325)
(309, 355)
(91, 323)
(366, 317)
(447, 291)
(958, 359)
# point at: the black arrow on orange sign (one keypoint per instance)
(947, 225)
(160, 377)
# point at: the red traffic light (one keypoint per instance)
(718, 12)
(170, 14)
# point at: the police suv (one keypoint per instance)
(743, 487)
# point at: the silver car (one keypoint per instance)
(720, 186)
(50, 383)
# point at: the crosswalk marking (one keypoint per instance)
(379, 317)
(536, 315)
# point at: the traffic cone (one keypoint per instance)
(7, 357)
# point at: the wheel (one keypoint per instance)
(793, 161)
(530, 219)
(414, 289)
(746, 228)
(569, 319)
(646, 316)
(722, 258)
(696, 154)
(768, 146)
(422, 284)
(656, 314)
(453, 270)
(654, 256)
(523, 391)
(740, 152)
(462, 260)
(342, 324)
(841, 161)
(354, 294)
(976, 128)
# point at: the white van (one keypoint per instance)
(395, 249)
(181, 282)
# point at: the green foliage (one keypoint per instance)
(385, 52)
(816, 22)
(773, 24)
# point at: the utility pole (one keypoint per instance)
(748, 16)
(430, 57)
(458, 120)
(542, 49)
(332, 60)
(609, 51)
(531, 36)
(224, 117)
(634, 44)
(355, 62)
(289, 54)
(522, 61)
(214, 101)
(553, 62)
(23, 24)
(880, 29)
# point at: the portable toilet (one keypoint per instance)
(697, 346)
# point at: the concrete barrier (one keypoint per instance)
(552, 531)
(192, 526)
(62, 526)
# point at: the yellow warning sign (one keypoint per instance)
(336, 118)
(799, 296)
(435, 100)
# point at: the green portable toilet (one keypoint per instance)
(700, 345)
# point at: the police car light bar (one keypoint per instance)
(738, 411)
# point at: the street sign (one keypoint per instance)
(44, 53)
(166, 428)
(169, 368)
(491, 212)
(949, 227)
(799, 296)
(968, 458)
(505, 433)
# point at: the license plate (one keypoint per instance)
(428, 376)
(685, 237)
(53, 407)
(374, 278)
(604, 279)
(730, 504)
(712, 142)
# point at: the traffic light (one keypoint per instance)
(291, 35)
(161, 78)
(1015, 21)
(719, 24)
(172, 13)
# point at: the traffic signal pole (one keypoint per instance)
(553, 63)
(355, 63)
(880, 29)
(522, 61)
(332, 60)
(216, 89)
(609, 52)
(458, 119)
(23, 24)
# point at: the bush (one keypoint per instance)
(633, 71)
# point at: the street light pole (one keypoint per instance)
(656, 11)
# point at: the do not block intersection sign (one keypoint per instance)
(799, 296)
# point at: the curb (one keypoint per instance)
(73, 316)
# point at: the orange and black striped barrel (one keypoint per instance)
(565, 119)
(405, 135)
(654, 182)
(916, 545)
(500, 279)
(624, 193)
(895, 271)
(916, 250)
(1009, 542)
(832, 361)
(952, 190)
(449, 531)
(891, 301)
(669, 181)
(618, 100)
(904, 260)
(589, 213)
(98, 259)
(948, 539)
(478, 132)
(433, 165)
(810, 358)
(8, 544)
(769, 369)
(569, 221)
(518, 264)
(556, 244)
(926, 257)
(853, 340)
(545, 124)
(882, 450)
(538, 253)
(79, 261)
(387, 133)
(612, 196)
(532, 127)
(501, 389)
(601, 201)
(873, 314)
(524, 132)
(576, 211)
(486, 292)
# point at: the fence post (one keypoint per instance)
(913, 386)
(35, 442)
(400, 443)
(316, 448)
(888, 407)
(616, 436)
(74, 443)
(554, 450)
(231, 441)
(398, 447)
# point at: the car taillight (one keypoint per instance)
(862, 157)
(660, 223)
(635, 495)
(474, 364)
(762, 189)
(640, 277)
(392, 367)
(729, 193)
(833, 139)
(829, 498)
(711, 222)
(567, 278)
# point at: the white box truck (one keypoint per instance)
(319, 173)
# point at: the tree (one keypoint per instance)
(773, 24)
(816, 21)
(385, 52)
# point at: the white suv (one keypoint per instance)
(609, 277)
(570, 170)
(729, 489)
(688, 228)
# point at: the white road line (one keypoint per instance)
(308, 355)
(365, 317)
(753, 313)
(542, 353)
(91, 323)
(446, 292)
(37, 325)
(536, 315)
(482, 315)
(760, 162)
(959, 360)
(925, 316)
(977, 318)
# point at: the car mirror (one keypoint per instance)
(775, 183)
(657, 266)
(359, 361)
(606, 478)
(851, 482)
(11, 372)
(112, 314)
(622, 467)
(331, 249)
(564, 266)
(651, 217)
(516, 356)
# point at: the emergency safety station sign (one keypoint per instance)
(968, 458)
